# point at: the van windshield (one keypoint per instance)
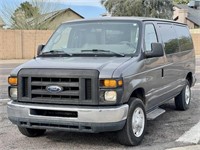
(99, 38)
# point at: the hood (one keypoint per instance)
(105, 65)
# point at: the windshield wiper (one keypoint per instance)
(55, 52)
(104, 51)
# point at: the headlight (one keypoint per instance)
(110, 96)
(13, 92)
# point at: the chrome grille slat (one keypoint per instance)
(44, 92)
(54, 101)
(70, 89)
(70, 84)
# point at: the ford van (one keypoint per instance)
(100, 75)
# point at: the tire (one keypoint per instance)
(129, 135)
(182, 101)
(31, 132)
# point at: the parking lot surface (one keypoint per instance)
(162, 133)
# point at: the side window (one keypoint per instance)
(184, 38)
(150, 36)
(169, 38)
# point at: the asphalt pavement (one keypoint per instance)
(162, 133)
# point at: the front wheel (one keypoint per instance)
(31, 132)
(182, 101)
(133, 132)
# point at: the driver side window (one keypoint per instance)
(150, 36)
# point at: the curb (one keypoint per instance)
(13, 61)
(192, 147)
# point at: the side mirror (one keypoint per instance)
(156, 50)
(40, 48)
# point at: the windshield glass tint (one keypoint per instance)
(113, 36)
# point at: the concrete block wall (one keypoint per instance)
(196, 40)
(21, 44)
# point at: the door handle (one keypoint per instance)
(162, 73)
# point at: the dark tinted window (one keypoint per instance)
(150, 36)
(169, 38)
(184, 38)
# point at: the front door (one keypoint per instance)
(154, 69)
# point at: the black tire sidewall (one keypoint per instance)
(180, 100)
(133, 104)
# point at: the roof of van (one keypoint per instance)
(126, 18)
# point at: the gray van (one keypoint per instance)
(108, 74)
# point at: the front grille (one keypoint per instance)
(70, 88)
(78, 87)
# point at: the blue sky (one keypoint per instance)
(86, 8)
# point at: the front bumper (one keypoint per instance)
(89, 119)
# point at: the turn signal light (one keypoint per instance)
(12, 80)
(111, 83)
(120, 83)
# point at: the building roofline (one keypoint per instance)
(75, 12)
(60, 11)
(178, 6)
(192, 21)
(192, 13)
(56, 13)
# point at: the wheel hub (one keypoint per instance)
(138, 122)
(187, 95)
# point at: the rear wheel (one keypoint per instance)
(31, 132)
(133, 132)
(182, 101)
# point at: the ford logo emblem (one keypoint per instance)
(54, 89)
